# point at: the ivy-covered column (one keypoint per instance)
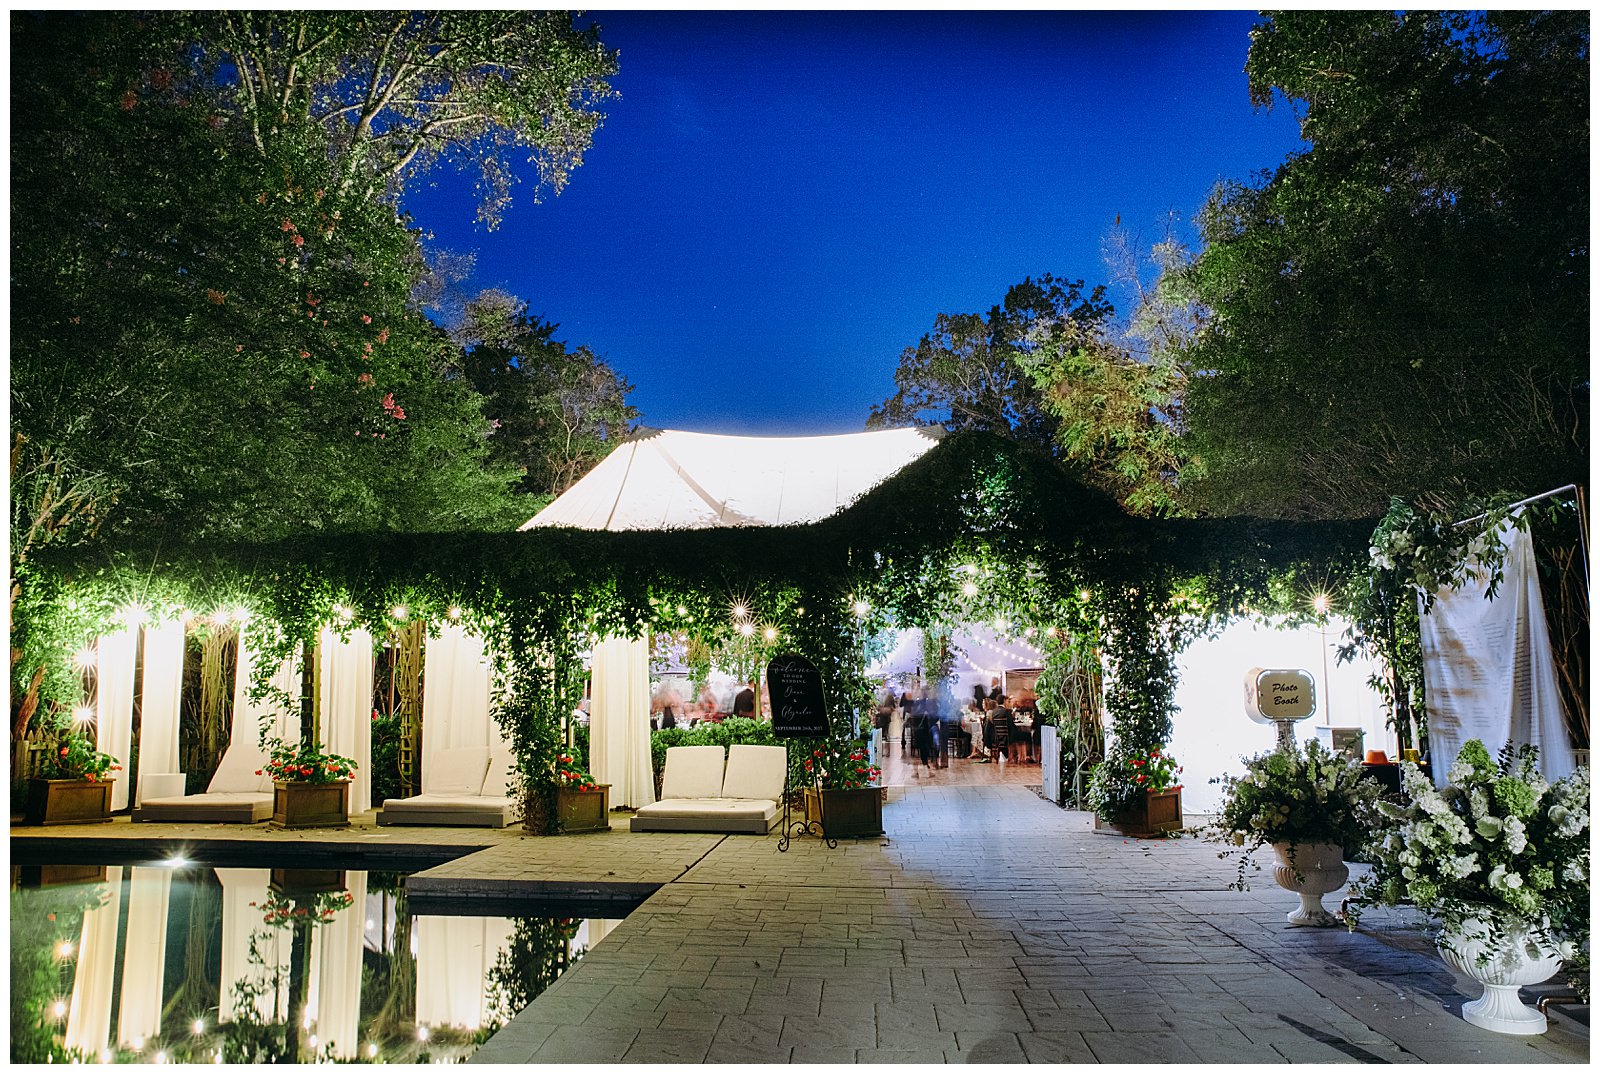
(1140, 642)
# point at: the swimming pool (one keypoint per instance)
(179, 962)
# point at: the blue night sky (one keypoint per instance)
(779, 203)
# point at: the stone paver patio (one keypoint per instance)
(986, 926)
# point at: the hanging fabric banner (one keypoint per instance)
(159, 701)
(244, 893)
(619, 721)
(144, 958)
(115, 655)
(94, 973)
(346, 707)
(455, 695)
(1489, 668)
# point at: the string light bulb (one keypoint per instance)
(1321, 603)
(82, 714)
(454, 611)
(83, 659)
(399, 611)
(861, 608)
(969, 589)
(746, 629)
(771, 633)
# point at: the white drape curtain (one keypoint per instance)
(282, 721)
(240, 920)
(144, 958)
(454, 957)
(94, 975)
(346, 707)
(159, 700)
(1490, 669)
(619, 721)
(455, 695)
(334, 1003)
(115, 655)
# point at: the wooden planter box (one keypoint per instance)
(307, 881)
(49, 876)
(311, 805)
(68, 801)
(583, 811)
(846, 814)
(1160, 812)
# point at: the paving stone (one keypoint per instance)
(669, 1046)
(1140, 1048)
(1055, 1046)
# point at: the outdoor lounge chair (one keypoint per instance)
(699, 794)
(237, 794)
(466, 789)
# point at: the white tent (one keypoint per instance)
(664, 479)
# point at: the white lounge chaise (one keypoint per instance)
(237, 794)
(466, 789)
(699, 793)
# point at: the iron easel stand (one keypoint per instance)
(801, 827)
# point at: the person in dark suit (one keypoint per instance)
(744, 703)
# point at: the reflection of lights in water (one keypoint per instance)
(372, 1051)
(370, 924)
(64, 949)
(161, 1057)
(58, 1009)
(137, 1043)
(175, 862)
(198, 1027)
(422, 1032)
(313, 1040)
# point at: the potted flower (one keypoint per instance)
(582, 804)
(842, 792)
(1309, 805)
(1136, 794)
(73, 785)
(311, 789)
(1501, 857)
(285, 908)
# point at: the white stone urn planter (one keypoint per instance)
(1312, 871)
(1522, 957)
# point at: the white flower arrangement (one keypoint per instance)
(1498, 843)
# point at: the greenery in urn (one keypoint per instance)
(304, 762)
(1498, 843)
(74, 757)
(1301, 797)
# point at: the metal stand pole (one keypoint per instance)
(801, 826)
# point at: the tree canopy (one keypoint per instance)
(1402, 307)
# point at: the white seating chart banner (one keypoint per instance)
(1489, 668)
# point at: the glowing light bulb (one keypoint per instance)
(83, 659)
(399, 611)
(370, 925)
(161, 1057)
(1321, 603)
(137, 1043)
(64, 949)
(740, 611)
(241, 614)
(198, 1027)
(422, 1032)
(770, 634)
(682, 610)
(861, 608)
(1083, 594)
(969, 589)
(999, 623)
(132, 614)
(746, 629)
(372, 1051)
(58, 1008)
(455, 611)
(83, 714)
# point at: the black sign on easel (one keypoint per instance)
(795, 687)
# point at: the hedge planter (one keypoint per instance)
(1158, 813)
(583, 811)
(846, 813)
(311, 805)
(68, 801)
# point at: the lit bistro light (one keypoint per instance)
(740, 611)
(83, 659)
(198, 1027)
(372, 1051)
(1000, 623)
(59, 1008)
(399, 611)
(969, 589)
(746, 629)
(422, 1032)
(861, 608)
(454, 611)
(771, 633)
(64, 949)
(1321, 603)
(83, 714)
(343, 611)
(1083, 594)
(132, 614)
(682, 610)
(239, 614)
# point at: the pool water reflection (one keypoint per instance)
(235, 965)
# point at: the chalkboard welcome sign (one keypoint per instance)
(795, 686)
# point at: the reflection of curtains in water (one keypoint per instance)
(240, 888)
(89, 1012)
(282, 720)
(454, 956)
(455, 695)
(619, 721)
(114, 659)
(592, 931)
(144, 957)
(346, 706)
(334, 1000)
(159, 700)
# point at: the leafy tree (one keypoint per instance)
(970, 372)
(556, 412)
(393, 93)
(1401, 308)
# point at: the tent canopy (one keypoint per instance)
(664, 479)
